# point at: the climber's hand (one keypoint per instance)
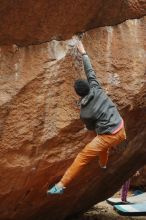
(80, 47)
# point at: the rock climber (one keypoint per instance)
(99, 114)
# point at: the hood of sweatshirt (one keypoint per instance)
(87, 99)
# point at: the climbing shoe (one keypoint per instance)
(55, 190)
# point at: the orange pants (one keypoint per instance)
(98, 147)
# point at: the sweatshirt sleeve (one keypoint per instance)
(91, 77)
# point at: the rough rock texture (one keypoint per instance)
(140, 180)
(32, 22)
(40, 130)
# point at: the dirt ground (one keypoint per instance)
(104, 211)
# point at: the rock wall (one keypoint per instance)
(139, 181)
(28, 22)
(40, 130)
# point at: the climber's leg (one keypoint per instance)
(103, 158)
(98, 147)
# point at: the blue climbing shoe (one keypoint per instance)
(55, 190)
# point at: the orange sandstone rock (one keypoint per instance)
(29, 22)
(40, 129)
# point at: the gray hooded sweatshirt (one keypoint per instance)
(98, 112)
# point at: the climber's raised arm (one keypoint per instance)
(91, 76)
